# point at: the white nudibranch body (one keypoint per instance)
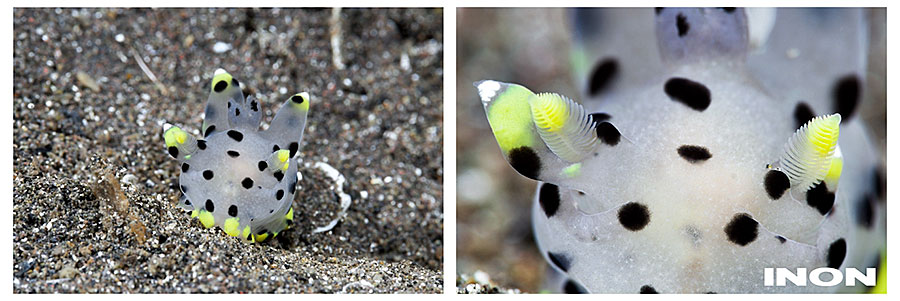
(239, 177)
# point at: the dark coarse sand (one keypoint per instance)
(95, 191)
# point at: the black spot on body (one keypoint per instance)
(293, 148)
(279, 194)
(262, 165)
(549, 199)
(820, 198)
(233, 154)
(728, 9)
(776, 183)
(183, 189)
(187, 202)
(261, 231)
(237, 112)
(600, 117)
(209, 131)
(208, 174)
(602, 76)
(233, 210)
(254, 105)
(658, 10)
(682, 25)
(220, 86)
(878, 183)
(781, 238)
(525, 161)
(608, 133)
(201, 144)
(185, 167)
(693, 94)
(293, 187)
(694, 153)
(865, 211)
(275, 148)
(846, 96)
(247, 183)
(235, 82)
(742, 229)
(647, 289)
(237, 136)
(634, 216)
(279, 175)
(229, 105)
(173, 151)
(570, 287)
(836, 253)
(210, 206)
(297, 99)
(803, 113)
(560, 260)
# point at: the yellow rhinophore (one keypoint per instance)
(563, 126)
(809, 154)
(220, 75)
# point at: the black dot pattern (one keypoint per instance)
(208, 174)
(279, 175)
(293, 148)
(647, 289)
(185, 167)
(560, 260)
(549, 199)
(183, 189)
(220, 86)
(233, 154)
(803, 113)
(201, 144)
(210, 206)
(608, 133)
(776, 183)
(878, 183)
(682, 24)
(571, 287)
(820, 198)
(293, 187)
(237, 112)
(275, 148)
(694, 153)
(846, 95)
(836, 253)
(634, 216)
(604, 73)
(247, 183)
(729, 10)
(173, 151)
(237, 136)
(233, 210)
(262, 165)
(297, 99)
(865, 211)
(742, 229)
(693, 94)
(254, 105)
(780, 238)
(525, 161)
(658, 10)
(209, 131)
(279, 194)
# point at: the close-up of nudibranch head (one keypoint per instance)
(239, 177)
(723, 158)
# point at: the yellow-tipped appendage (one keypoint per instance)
(809, 155)
(509, 113)
(175, 136)
(563, 125)
(220, 75)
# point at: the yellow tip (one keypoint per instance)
(246, 234)
(303, 105)
(231, 226)
(261, 237)
(220, 75)
(195, 213)
(823, 133)
(510, 117)
(550, 111)
(174, 136)
(290, 215)
(206, 219)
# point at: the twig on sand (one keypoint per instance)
(160, 86)
(335, 32)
